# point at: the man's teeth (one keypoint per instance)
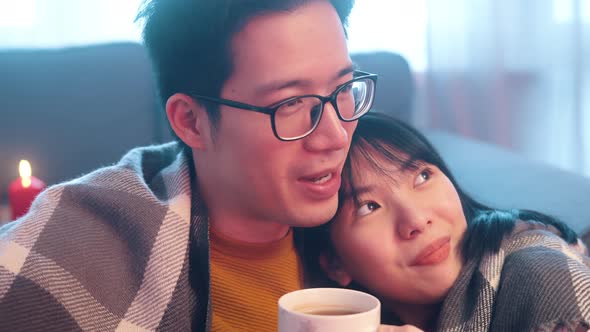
(323, 179)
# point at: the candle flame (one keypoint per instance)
(24, 169)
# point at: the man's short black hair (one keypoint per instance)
(189, 41)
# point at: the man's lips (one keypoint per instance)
(321, 185)
(320, 174)
(434, 253)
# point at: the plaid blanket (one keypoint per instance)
(536, 282)
(117, 250)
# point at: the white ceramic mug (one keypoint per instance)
(329, 309)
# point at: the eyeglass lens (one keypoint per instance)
(300, 116)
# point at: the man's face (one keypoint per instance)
(256, 176)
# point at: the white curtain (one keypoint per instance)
(514, 73)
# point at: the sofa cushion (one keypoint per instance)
(72, 110)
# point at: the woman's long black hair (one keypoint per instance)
(486, 226)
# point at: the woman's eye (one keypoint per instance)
(422, 177)
(367, 208)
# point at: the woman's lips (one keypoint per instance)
(434, 253)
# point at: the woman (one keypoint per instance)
(436, 258)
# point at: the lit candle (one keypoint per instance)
(23, 190)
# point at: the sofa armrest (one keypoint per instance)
(504, 179)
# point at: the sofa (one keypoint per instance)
(72, 110)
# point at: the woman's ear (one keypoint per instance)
(189, 120)
(333, 268)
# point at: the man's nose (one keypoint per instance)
(331, 133)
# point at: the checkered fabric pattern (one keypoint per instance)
(536, 282)
(124, 248)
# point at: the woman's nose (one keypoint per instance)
(413, 222)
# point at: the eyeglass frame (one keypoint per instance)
(271, 110)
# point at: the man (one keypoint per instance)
(263, 98)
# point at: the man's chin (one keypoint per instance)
(314, 216)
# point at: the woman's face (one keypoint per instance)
(402, 240)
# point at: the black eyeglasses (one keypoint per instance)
(296, 117)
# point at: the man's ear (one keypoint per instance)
(333, 268)
(189, 120)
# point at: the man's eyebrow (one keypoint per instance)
(280, 85)
(345, 71)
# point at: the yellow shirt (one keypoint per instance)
(247, 281)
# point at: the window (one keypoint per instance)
(17, 14)
(390, 25)
(564, 11)
(61, 23)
